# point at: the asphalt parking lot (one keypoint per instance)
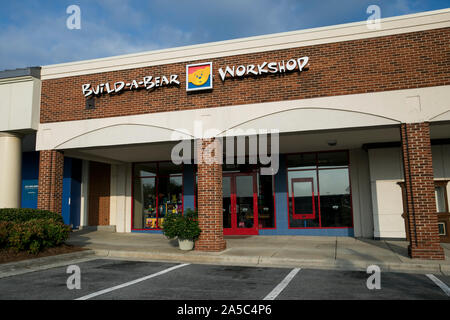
(108, 279)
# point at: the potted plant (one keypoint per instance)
(184, 227)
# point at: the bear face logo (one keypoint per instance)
(199, 76)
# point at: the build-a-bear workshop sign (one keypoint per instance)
(198, 76)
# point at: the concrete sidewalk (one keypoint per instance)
(274, 251)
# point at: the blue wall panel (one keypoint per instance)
(66, 190)
(75, 207)
(71, 186)
(71, 197)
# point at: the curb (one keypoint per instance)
(174, 257)
(31, 265)
(445, 269)
(195, 257)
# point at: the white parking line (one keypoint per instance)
(283, 284)
(440, 284)
(126, 284)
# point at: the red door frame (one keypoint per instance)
(308, 215)
(234, 230)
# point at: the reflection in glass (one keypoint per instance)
(266, 214)
(155, 195)
(302, 161)
(167, 168)
(144, 205)
(332, 159)
(303, 197)
(244, 201)
(226, 186)
(330, 186)
(439, 192)
(170, 191)
(335, 206)
(145, 169)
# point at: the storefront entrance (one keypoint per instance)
(240, 204)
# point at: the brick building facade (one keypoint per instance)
(362, 144)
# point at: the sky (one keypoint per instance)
(35, 33)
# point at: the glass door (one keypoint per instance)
(240, 209)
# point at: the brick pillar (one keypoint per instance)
(210, 208)
(51, 166)
(420, 198)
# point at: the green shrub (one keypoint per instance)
(5, 227)
(184, 227)
(25, 214)
(32, 235)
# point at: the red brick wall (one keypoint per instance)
(51, 167)
(411, 60)
(210, 207)
(420, 198)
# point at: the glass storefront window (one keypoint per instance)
(266, 205)
(319, 197)
(170, 196)
(168, 168)
(439, 192)
(302, 161)
(144, 203)
(332, 159)
(226, 193)
(145, 169)
(244, 201)
(156, 193)
(335, 206)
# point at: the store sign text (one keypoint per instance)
(148, 83)
(264, 68)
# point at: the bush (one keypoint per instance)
(5, 227)
(25, 214)
(31, 230)
(184, 227)
(33, 235)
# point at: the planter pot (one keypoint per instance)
(185, 244)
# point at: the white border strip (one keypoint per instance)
(282, 285)
(440, 284)
(126, 284)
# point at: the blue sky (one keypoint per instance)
(34, 33)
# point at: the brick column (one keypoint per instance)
(210, 208)
(420, 198)
(51, 166)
